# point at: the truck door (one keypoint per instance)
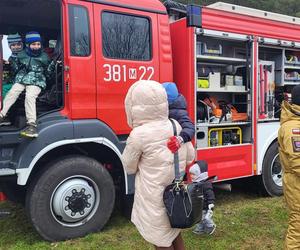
(79, 59)
(226, 140)
(221, 66)
(126, 43)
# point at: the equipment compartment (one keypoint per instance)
(223, 91)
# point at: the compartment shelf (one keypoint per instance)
(222, 124)
(291, 67)
(225, 146)
(220, 59)
(221, 90)
(268, 120)
(295, 82)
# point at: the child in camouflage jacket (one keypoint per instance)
(32, 66)
(15, 44)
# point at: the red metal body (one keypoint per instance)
(90, 97)
(242, 24)
(226, 162)
(2, 197)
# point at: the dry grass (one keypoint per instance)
(244, 221)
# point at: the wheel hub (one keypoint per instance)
(78, 201)
(73, 200)
(276, 171)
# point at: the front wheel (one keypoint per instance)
(73, 197)
(272, 172)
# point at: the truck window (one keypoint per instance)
(126, 37)
(79, 31)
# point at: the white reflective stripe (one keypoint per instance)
(7, 171)
(221, 34)
(23, 173)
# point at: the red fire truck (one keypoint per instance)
(233, 64)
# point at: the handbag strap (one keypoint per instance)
(176, 157)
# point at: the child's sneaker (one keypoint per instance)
(210, 229)
(199, 228)
(30, 131)
(4, 121)
(4, 213)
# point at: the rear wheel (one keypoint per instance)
(73, 197)
(272, 172)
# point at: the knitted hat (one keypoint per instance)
(14, 38)
(199, 171)
(32, 37)
(296, 95)
(171, 90)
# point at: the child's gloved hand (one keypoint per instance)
(174, 143)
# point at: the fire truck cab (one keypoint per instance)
(233, 75)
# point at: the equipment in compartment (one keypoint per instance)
(208, 78)
(266, 96)
(204, 48)
(212, 110)
(291, 76)
(212, 82)
(202, 137)
(224, 136)
(203, 111)
(235, 79)
(292, 59)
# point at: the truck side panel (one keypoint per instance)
(243, 24)
(228, 163)
(183, 63)
(116, 66)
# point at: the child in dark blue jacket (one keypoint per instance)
(199, 173)
(177, 111)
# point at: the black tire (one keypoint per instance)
(53, 187)
(14, 192)
(271, 177)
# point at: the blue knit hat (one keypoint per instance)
(14, 38)
(32, 37)
(171, 90)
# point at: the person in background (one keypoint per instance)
(15, 44)
(198, 173)
(146, 154)
(32, 66)
(177, 111)
(289, 152)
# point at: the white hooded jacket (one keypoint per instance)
(146, 155)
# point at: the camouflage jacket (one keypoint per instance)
(32, 70)
(8, 72)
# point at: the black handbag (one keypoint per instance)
(183, 201)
